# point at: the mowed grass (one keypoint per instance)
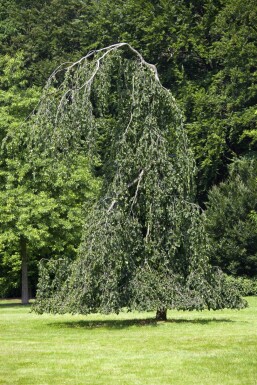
(212, 348)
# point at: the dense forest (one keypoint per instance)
(205, 54)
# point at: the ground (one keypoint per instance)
(203, 348)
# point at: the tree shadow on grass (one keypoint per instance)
(122, 324)
(13, 305)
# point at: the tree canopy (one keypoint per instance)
(144, 243)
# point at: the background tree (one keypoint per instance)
(17, 101)
(48, 32)
(231, 213)
(144, 243)
(40, 216)
(223, 105)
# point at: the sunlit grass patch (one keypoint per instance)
(212, 348)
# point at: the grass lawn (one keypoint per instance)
(205, 348)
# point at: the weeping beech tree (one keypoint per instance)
(144, 245)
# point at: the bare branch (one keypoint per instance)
(138, 184)
(111, 206)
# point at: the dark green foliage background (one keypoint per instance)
(231, 213)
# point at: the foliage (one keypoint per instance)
(17, 101)
(205, 53)
(48, 32)
(246, 286)
(143, 242)
(43, 207)
(38, 202)
(231, 211)
(223, 105)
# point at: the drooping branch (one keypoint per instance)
(144, 243)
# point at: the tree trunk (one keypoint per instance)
(161, 314)
(24, 272)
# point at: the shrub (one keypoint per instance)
(246, 286)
